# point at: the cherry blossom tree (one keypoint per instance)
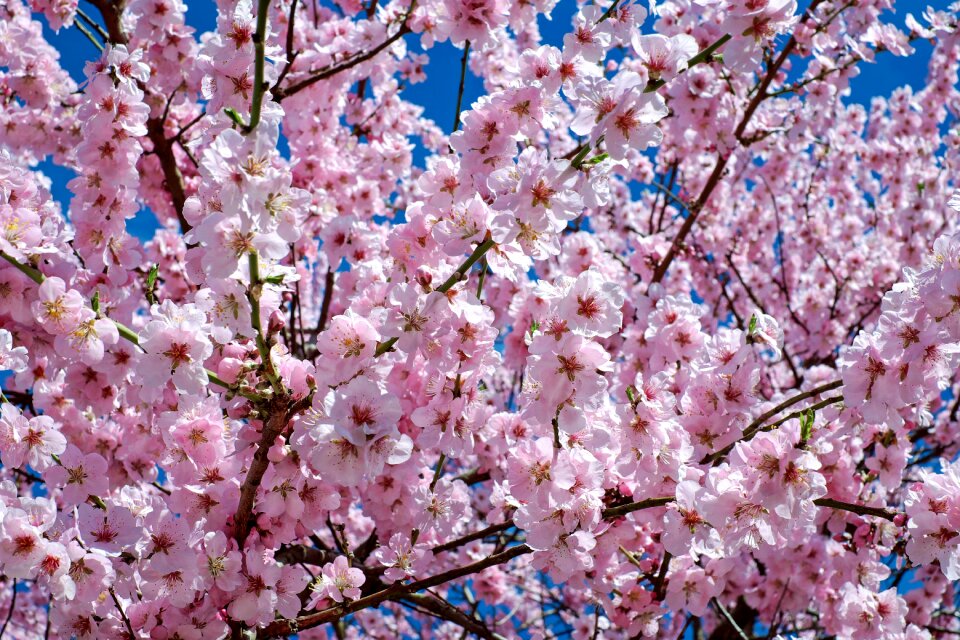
(659, 339)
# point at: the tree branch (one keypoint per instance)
(859, 509)
(283, 93)
(754, 427)
(722, 160)
(279, 415)
(446, 611)
(463, 79)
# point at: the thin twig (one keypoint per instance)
(282, 93)
(89, 35)
(754, 427)
(730, 620)
(123, 614)
(13, 606)
(463, 79)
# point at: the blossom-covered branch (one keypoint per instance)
(659, 339)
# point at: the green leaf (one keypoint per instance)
(632, 394)
(534, 327)
(151, 289)
(233, 115)
(597, 159)
(95, 303)
(806, 424)
(753, 324)
(278, 279)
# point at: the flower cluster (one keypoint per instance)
(659, 339)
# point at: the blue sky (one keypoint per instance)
(438, 93)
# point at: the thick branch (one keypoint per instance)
(470, 537)
(328, 284)
(112, 13)
(172, 177)
(692, 212)
(286, 627)
(624, 509)
(273, 426)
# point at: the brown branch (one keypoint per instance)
(328, 284)
(754, 427)
(470, 537)
(278, 416)
(693, 212)
(13, 606)
(445, 611)
(859, 509)
(112, 13)
(123, 614)
(624, 509)
(172, 177)
(295, 554)
(282, 93)
(473, 476)
(397, 590)
(286, 627)
(291, 54)
(721, 164)
(661, 576)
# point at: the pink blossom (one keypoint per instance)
(257, 593)
(175, 336)
(58, 308)
(340, 581)
(80, 475)
(11, 358)
(32, 441)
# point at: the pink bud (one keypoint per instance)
(424, 278)
(277, 452)
(229, 369)
(234, 350)
(277, 322)
(900, 519)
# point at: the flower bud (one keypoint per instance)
(424, 279)
(277, 322)
(229, 369)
